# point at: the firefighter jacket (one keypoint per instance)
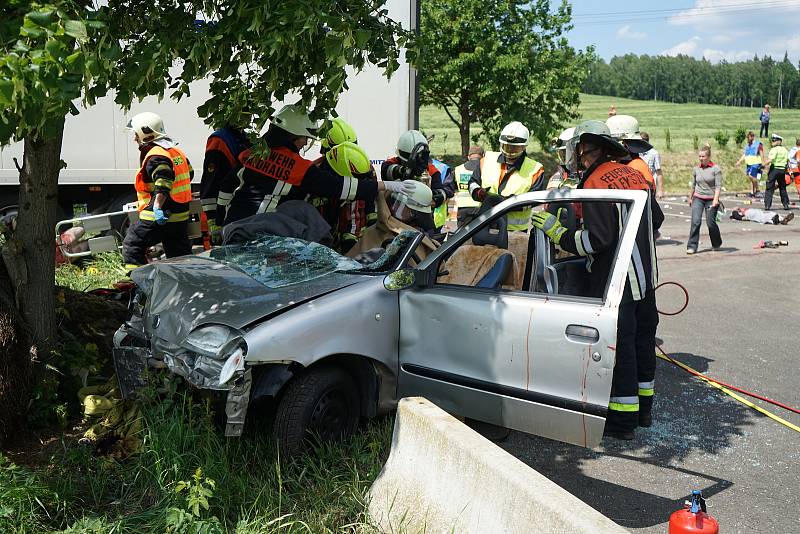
(261, 183)
(494, 175)
(164, 169)
(222, 155)
(635, 162)
(603, 223)
(462, 175)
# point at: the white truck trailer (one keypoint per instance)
(102, 158)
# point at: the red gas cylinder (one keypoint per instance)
(693, 519)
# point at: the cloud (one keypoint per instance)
(687, 48)
(625, 32)
(726, 14)
(731, 56)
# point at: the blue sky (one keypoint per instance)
(733, 30)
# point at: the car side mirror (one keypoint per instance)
(400, 279)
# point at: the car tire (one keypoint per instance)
(320, 405)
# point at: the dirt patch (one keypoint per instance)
(92, 318)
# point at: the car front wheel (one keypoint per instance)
(320, 405)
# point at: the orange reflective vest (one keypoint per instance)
(280, 164)
(612, 175)
(180, 189)
(641, 165)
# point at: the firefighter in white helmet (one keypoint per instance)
(163, 192)
(509, 172)
(562, 177)
(413, 161)
(284, 174)
(625, 129)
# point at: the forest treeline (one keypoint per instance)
(684, 79)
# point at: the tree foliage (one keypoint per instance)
(490, 62)
(684, 79)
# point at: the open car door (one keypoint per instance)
(534, 357)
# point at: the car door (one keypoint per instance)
(528, 360)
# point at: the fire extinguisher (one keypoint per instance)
(692, 518)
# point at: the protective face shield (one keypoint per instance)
(339, 132)
(408, 207)
(147, 126)
(348, 159)
(595, 129)
(513, 140)
(294, 119)
(561, 144)
(409, 141)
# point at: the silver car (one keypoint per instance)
(493, 326)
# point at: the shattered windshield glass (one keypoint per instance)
(282, 261)
(392, 254)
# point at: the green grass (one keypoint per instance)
(683, 120)
(101, 271)
(252, 491)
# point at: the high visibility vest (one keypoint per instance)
(751, 156)
(440, 213)
(518, 182)
(181, 186)
(641, 165)
(463, 198)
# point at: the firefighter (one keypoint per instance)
(347, 219)
(413, 161)
(509, 172)
(592, 150)
(562, 177)
(222, 156)
(163, 192)
(625, 129)
(284, 174)
(467, 207)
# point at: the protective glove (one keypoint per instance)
(550, 224)
(410, 186)
(395, 187)
(161, 217)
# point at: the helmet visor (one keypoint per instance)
(512, 150)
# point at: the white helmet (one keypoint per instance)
(514, 139)
(294, 119)
(419, 199)
(408, 140)
(624, 127)
(147, 126)
(561, 143)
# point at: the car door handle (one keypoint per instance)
(582, 334)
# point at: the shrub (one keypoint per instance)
(740, 135)
(722, 138)
(668, 139)
(695, 142)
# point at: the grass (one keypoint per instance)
(101, 271)
(246, 487)
(684, 121)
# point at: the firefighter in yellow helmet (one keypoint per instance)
(509, 172)
(163, 192)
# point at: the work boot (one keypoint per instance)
(788, 218)
(624, 435)
(645, 419)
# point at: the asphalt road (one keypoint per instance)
(741, 327)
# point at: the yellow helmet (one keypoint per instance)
(339, 132)
(348, 159)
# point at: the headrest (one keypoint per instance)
(495, 234)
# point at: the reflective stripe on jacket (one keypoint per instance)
(463, 198)
(495, 179)
(180, 188)
(751, 156)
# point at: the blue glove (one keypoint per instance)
(550, 224)
(161, 217)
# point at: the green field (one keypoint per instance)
(683, 121)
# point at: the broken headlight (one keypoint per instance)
(215, 341)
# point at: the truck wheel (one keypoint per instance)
(319, 405)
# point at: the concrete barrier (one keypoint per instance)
(442, 476)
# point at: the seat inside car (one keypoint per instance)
(485, 263)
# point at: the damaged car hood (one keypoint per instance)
(184, 293)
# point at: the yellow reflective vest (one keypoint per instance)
(518, 183)
(463, 198)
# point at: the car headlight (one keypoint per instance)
(215, 341)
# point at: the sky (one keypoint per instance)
(733, 30)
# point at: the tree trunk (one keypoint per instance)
(463, 129)
(32, 248)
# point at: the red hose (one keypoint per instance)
(721, 383)
(695, 373)
(685, 292)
